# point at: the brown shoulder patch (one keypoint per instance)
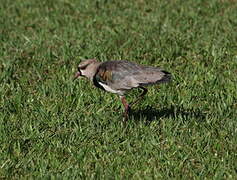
(105, 75)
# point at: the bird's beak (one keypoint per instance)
(78, 74)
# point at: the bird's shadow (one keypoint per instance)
(151, 114)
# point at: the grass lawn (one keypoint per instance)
(52, 127)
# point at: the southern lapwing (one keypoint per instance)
(121, 76)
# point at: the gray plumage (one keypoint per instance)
(120, 76)
(127, 75)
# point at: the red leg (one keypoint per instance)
(126, 107)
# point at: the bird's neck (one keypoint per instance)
(93, 70)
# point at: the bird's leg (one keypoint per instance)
(126, 106)
(140, 96)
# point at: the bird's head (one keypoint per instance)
(87, 68)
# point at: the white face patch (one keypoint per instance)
(82, 72)
(85, 73)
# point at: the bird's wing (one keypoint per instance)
(116, 74)
(124, 75)
(151, 75)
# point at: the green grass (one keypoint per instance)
(51, 127)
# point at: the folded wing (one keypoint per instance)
(125, 75)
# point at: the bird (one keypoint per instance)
(120, 76)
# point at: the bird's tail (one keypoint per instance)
(153, 77)
(166, 77)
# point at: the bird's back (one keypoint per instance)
(124, 75)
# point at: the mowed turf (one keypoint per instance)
(52, 127)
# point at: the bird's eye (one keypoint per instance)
(82, 68)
